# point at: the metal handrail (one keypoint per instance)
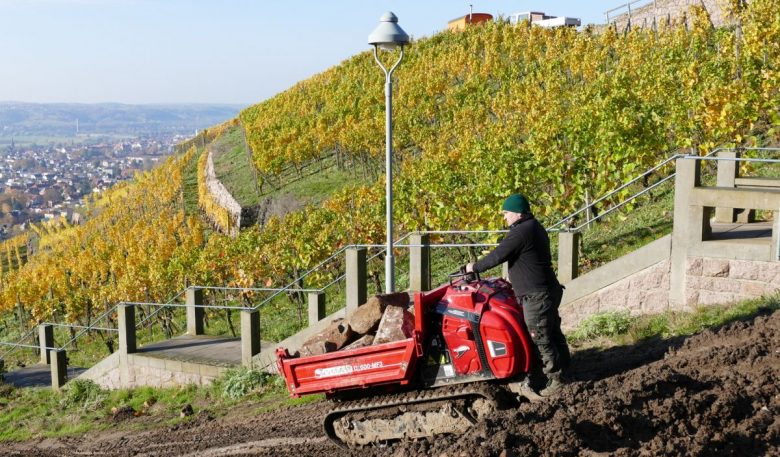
(13, 349)
(621, 204)
(249, 289)
(19, 345)
(708, 156)
(149, 317)
(733, 159)
(177, 305)
(615, 191)
(99, 318)
(626, 4)
(289, 287)
(57, 324)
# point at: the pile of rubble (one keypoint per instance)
(382, 319)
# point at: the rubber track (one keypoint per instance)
(475, 389)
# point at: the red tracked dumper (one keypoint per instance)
(469, 348)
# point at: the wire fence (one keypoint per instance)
(284, 310)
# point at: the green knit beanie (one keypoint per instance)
(516, 203)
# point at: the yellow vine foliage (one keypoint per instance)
(478, 115)
(138, 246)
(217, 214)
(554, 112)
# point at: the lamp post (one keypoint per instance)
(388, 35)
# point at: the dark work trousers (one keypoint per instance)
(540, 310)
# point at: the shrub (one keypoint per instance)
(6, 390)
(603, 324)
(238, 382)
(84, 394)
(650, 327)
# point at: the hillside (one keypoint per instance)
(480, 114)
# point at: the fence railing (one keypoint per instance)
(626, 8)
(356, 262)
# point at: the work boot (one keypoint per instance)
(525, 389)
(554, 383)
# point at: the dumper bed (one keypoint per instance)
(387, 363)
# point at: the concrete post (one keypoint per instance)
(568, 256)
(728, 170)
(687, 178)
(316, 307)
(775, 254)
(420, 263)
(59, 368)
(250, 336)
(46, 341)
(195, 315)
(356, 278)
(505, 270)
(127, 340)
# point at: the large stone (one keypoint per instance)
(741, 269)
(707, 298)
(395, 299)
(756, 289)
(331, 339)
(363, 341)
(366, 318)
(397, 324)
(724, 285)
(693, 266)
(715, 267)
(655, 302)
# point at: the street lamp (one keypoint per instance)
(388, 35)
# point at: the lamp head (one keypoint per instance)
(388, 34)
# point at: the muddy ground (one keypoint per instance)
(716, 393)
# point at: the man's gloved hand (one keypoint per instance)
(469, 268)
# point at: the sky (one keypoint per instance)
(207, 51)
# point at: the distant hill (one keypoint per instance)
(25, 119)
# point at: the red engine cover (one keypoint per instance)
(462, 345)
(502, 331)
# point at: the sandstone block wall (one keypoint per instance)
(711, 281)
(151, 371)
(708, 281)
(221, 195)
(645, 292)
(669, 9)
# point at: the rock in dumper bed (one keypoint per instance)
(382, 319)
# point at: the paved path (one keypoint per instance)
(202, 349)
(36, 376)
(755, 231)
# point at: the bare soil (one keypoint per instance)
(716, 393)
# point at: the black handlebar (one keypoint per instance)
(468, 277)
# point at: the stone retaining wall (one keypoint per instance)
(222, 196)
(645, 292)
(708, 281)
(711, 281)
(664, 10)
(150, 371)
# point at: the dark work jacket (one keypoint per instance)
(527, 250)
